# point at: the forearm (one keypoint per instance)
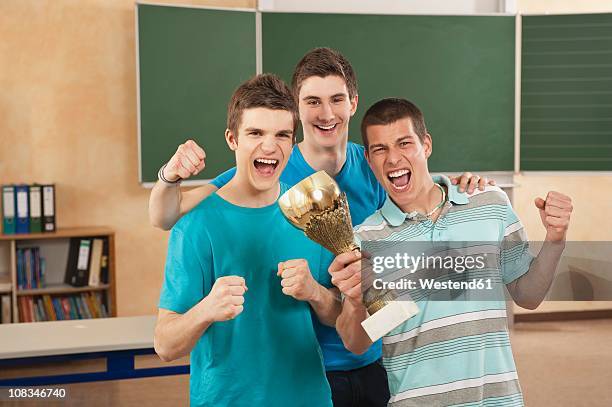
(177, 334)
(326, 305)
(529, 290)
(349, 327)
(164, 205)
(168, 202)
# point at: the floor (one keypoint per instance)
(559, 364)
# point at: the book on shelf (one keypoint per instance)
(8, 209)
(95, 262)
(88, 262)
(62, 307)
(77, 268)
(22, 203)
(48, 208)
(30, 268)
(35, 208)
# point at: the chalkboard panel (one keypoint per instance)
(190, 62)
(566, 92)
(458, 69)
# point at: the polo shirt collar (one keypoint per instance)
(454, 196)
(395, 216)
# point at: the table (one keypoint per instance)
(118, 340)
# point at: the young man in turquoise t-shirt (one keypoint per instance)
(325, 86)
(240, 281)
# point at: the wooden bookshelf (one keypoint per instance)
(62, 233)
(61, 289)
(54, 248)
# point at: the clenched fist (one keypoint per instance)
(225, 300)
(296, 279)
(187, 161)
(555, 213)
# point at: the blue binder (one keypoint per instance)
(22, 199)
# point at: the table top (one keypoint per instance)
(76, 336)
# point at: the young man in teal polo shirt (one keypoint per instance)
(450, 353)
(325, 87)
(240, 281)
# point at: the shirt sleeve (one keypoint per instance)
(515, 255)
(187, 274)
(224, 177)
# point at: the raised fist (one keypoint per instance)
(187, 161)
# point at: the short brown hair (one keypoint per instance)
(390, 110)
(264, 90)
(323, 62)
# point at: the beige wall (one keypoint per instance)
(563, 6)
(68, 116)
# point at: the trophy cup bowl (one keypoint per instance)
(316, 206)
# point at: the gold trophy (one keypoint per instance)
(316, 206)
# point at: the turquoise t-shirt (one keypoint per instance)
(365, 195)
(268, 355)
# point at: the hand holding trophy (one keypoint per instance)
(316, 206)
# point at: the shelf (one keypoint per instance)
(61, 289)
(63, 232)
(55, 249)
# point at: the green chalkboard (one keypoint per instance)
(190, 61)
(458, 69)
(566, 92)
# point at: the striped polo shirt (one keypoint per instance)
(454, 352)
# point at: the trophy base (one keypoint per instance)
(388, 318)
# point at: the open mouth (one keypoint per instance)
(265, 166)
(400, 178)
(326, 129)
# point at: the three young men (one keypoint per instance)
(450, 353)
(240, 281)
(325, 88)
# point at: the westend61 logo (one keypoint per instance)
(411, 264)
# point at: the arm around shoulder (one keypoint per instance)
(168, 203)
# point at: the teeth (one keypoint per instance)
(398, 173)
(265, 161)
(326, 127)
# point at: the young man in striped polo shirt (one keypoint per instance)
(450, 353)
